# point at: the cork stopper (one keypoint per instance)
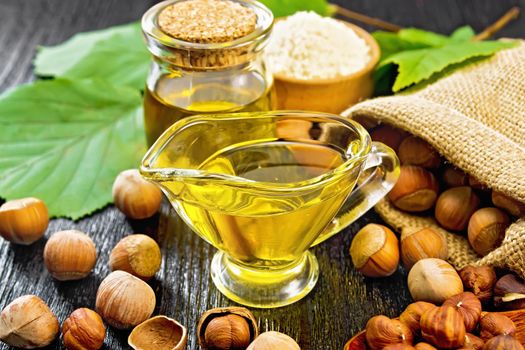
(207, 21)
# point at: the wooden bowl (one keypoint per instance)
(329, 95)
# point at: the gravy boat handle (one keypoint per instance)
(380, 173)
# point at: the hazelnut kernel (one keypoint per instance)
(83, 330)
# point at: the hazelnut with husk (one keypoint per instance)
(493, 324)
(422, 244)
(415, 190)
(443, 326)
(382, 331)
(137, 254)
(83, 330)
(158, 333)
(509, 293)
(23, 221)
(468, 306)
(227, 328)
(412, 315)
(486, 229)
(136, 197)
(273, 341)
(455, 206)
(479, 280)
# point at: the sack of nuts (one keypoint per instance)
(461, 142)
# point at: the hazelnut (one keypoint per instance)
(486, 229)
(158, 333)
(136, 197)
(493, 324)
(454, 177)
(27, 322)
(23, 221)
(443, 327)
(479, 280)
(399, 346)
(415, 190)
(415, 151)
(475, 183)
(455, 206)
(473, 342)
(503, 342)
(509, 293)
(425, 243)
(468, 306)
(433, 280)
(124, 301)
(374, 251)
(424, 346)
(83, 330)
(388, 135)
(273, 341)
(510, 205)
(70, 255)
(412, 315)
(228, 328)
(137, 254)
(382, 331)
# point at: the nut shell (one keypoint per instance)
(412, 315)
(455, 206)
(510, 205)
(28, 323)
(473, 342)
(424, 346)
(503, 342)
(468, 306)
(433, 280)
(136, 197)
(158, 333)
(454, 177)
(70, 255)
(137, 254)
(422, 244)
(388, 135)
(486, 229)
(415, 151)
(23, 221)
(124, 300)
(494, 324)
(443, 327)
(509, 293)
(479, 280)
(227, 328)
(273, 341)
(83, 330)
(382, 331)
(374, 251)
(399, 347)
(416, 189)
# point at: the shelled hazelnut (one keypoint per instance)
(486, 229)
(83, 330)
(509, 293)
(388, 135)
(415, 151)
(454, 177)
(158, 333)
(23, 221)
(510, 205)
(443, 326)
(422, 244)
(273, 341)
(503, 342)
(374, 251)
(469, 306)
(494, 324)
(455, 206)
(137, 254)
(416, 189)
(382, 331)
(433, 280)
(136, 197)
(412, 315)
(479, 280)
(70, 255)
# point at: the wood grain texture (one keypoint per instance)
(342, 301)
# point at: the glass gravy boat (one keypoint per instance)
(264, 187)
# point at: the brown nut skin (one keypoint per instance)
(486, 229)
(493, 324)
(468, 306)
(455, 206)
(70, 255)
(479, 280)
(415, 151)
(28, 323)
(375, 251)
(399, 347)
(158, 333)
(388, 135)
(454, 177)
(503, 342)
(228, 328)
(424, 346)
(124, 300)
(509, 293)
(473, 342)
(416, 189)
(412, 315)
(83, 330)
(443, 327)
(382, 331)
(434, 281)
(136, 197)
(137, 254)
(273, 341)
(23, 221)
(422, 244)
(510, 205)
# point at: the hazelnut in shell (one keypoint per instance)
(479, 280)
(510, 205)
(433, 280)
(454, 177)
(158, 333)
(486, 229)
(509, 293)
(83, 330)
(137, 254)
(28, 323)
(473, 342)
(416, 189)
(136, 197)
(382, 331)
(70, 255)
(493, 324)
(273, 341)
(412, 315)
(443, 327)
(424, 346)
(455, 206)
(399, 346)
(228, 328)
(23, 221)
(422, 244)
(374, 251)
(468, 306)
(415, 151)
(124, 300)
(503, 342)
(388, 135)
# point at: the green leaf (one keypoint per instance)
(65, 141)
(282, 8)
(392, 43)
(463, 34)
(117, 54)
(422, 37)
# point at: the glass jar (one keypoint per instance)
(188, 78)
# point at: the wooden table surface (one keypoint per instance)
(342, 301)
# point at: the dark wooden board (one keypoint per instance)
(342, 301)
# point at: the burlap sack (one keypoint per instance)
(475, 117)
